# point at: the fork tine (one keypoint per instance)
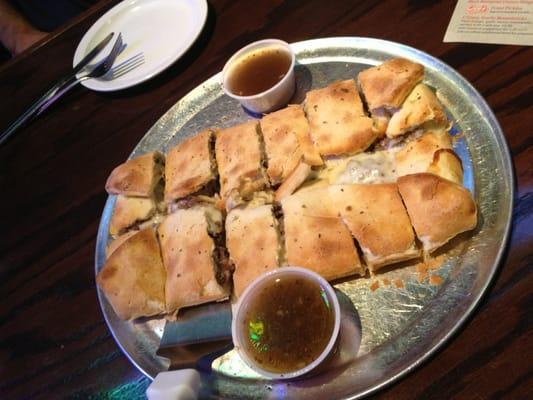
(117, 48)
(126, 63)
(126, 66)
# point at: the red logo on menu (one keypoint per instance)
(471, 9)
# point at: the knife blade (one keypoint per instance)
(199, 335)
(205, 323)
(90, 56)
(34, 108)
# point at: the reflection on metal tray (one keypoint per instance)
(401, 327)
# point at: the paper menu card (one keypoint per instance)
(492, 21)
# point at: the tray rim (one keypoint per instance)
(356, 42)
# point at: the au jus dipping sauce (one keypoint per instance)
(258, 71)
(288, 324)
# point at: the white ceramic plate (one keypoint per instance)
(162, 29)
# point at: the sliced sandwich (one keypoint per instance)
(133, 277)
(118, 241)
(430, 152)
(448, 165)
(190, 246)
(438, 208)
(421, 108)
(240, 161)
(253, 242)
(287, 142)
(376, 217)
(316, 238)
(139, 176)
(337, 119)
(129, 212)
(386, 86)
(295, 180)
(191, 168)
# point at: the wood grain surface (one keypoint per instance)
(54, 342)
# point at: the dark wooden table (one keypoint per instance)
(54, 342)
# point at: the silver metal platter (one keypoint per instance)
(400, 326)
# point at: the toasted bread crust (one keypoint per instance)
(388, 84)
(187, 251)
(281, 144)
(137, 177)
(337, 119)
(189, 166)
(377, 219)
(447, 165)
(420, 107)
(133, 277)
(252, 242)
(129, 211)
(316, 238)
(239, 159)
(431, 152)
(438, 208)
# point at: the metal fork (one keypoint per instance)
(111, 73)
(45, 101)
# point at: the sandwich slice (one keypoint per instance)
(438, 208)
(253, 243)
(141, 176)
(337, 120)
(430, 152)
(287, 141)
(196, 270)
(240, 161)
(376, 217)
(297, 177)
(191, 168)
(316, 238)
(129, 212)
(447, 165)
(133, 277)
(386, 86)
(118, 241)
(421, 108)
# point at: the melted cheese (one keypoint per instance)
(378, 167)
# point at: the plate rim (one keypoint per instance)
(108, 86)
(508, 175)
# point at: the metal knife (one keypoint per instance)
(32, 111)
(198, 332)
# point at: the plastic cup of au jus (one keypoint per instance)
(254, 328)
(261, 75)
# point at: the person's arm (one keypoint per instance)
(16, 33)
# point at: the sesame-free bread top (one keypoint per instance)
(377, 219)
(430, 152)
(138, 176)
(129, 211)
(419, 108)
(388, 84)
(239, 160)
(188, 256)
(133, 277)
(190, 166)
(438, 208)
(252, 240)
(316, 238)
(337, 120)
